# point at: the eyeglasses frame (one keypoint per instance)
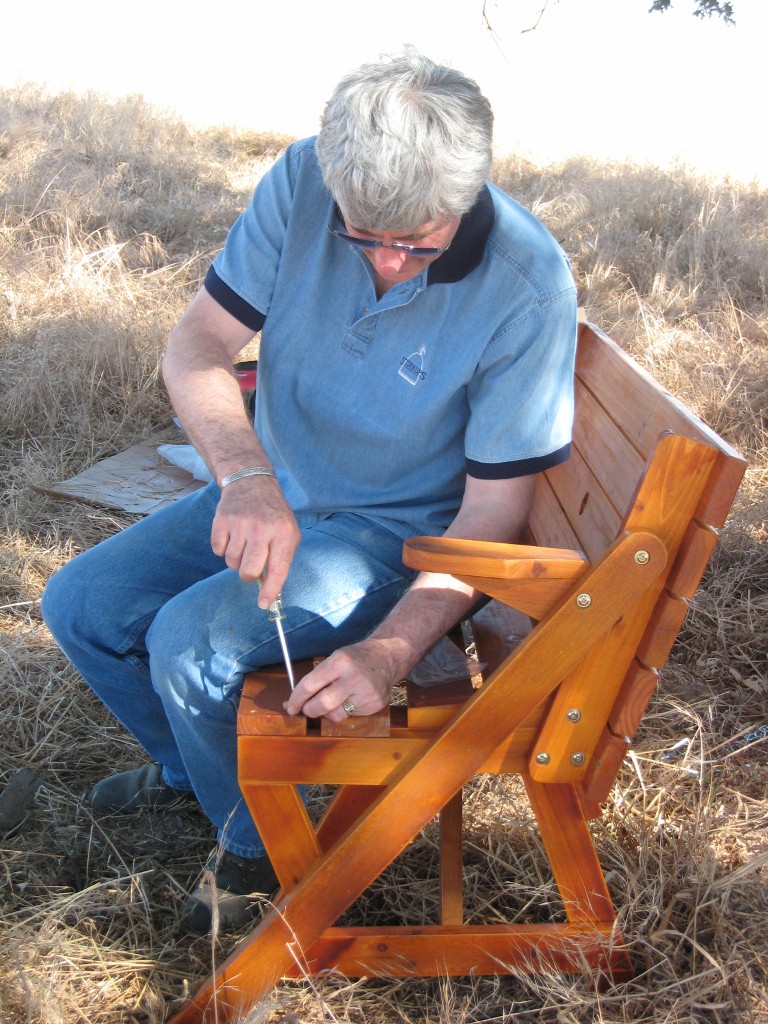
(418, 251)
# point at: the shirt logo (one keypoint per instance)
(412, 366)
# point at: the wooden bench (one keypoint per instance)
(616, 546)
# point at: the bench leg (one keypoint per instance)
(451, 862)
(568, 843)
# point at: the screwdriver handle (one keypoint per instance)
(276, 609)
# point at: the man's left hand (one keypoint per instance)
(359, 676)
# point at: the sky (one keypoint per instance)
(565, 77)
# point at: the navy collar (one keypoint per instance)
(468, 246)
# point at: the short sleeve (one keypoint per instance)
(521, 397)
(248, 263)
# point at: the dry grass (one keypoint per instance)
(111, 212)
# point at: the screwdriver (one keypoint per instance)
(276, 615)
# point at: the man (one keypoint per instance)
(415, 373)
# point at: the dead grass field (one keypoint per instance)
(111, 214)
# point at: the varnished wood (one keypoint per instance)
(497, 629)
(571, 852)
(547, 524)
(603, 767)
(430, 707)
(665, 502)
(692, 558)
(334, 761)
(491, 560)
(578, 713)
(615, 463)
(451, 862)
(343, 761)
(260, 712)
(637, 688)
(616, 543)
(285, 829)
(347, 805)
(427, 950)
(360, 726)
(633, 399)
(662, 629)
(578, 494)
(719, 497)
(412, 798)
(532, 580)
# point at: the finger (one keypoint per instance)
(227, 546)
(329, 703)
(251, 567)
(219, 537)
(326, 693)
(313, 683)
(349, 708)
(273, 569)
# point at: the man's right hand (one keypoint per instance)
(255, 530)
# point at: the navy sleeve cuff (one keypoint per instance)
(232, 302)
(520, 467)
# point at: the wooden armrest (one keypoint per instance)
(489, 558)
(530, 578)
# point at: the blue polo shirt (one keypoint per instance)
(383, 406)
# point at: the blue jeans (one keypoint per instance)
(164, 633)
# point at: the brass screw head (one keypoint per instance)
(583, 600)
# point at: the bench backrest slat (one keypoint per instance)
(633, 398)
(585, 504)
(639, 460)
(621, 412)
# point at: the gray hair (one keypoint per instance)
(405, 142)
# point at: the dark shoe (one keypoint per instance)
(236, 887)
(129, 791)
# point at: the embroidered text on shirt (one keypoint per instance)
(412, 366)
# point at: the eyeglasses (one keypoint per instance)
(374, 243)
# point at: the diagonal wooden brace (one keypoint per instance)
(416, 794)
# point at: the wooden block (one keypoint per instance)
(447, 950)
(325, 760)
(695, 551)
(662, 630)
(603, 767)
(637, 689)
(720, 494)
(430, 707)
(376, 724)
(497, 629)
(261, 705)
